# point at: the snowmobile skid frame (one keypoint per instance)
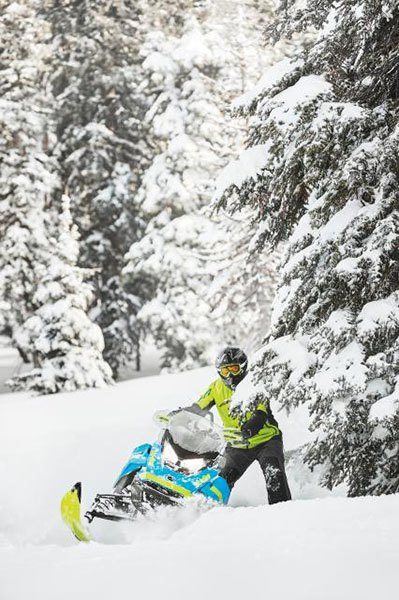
(112, 507)
(126, 506)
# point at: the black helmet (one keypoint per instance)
(232, 366)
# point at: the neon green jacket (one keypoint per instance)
(218, 394)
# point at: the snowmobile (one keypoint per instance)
(182, 465)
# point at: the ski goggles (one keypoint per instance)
(226, 370)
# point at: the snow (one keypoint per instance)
(340, 221)
(376, 312)
(337, 112)
(338, 321)
(282, 108)
(295, 352)
(331, 231)
(250, 162)
(328, 232)
(386, 407)
(271, 78)
(289, 550)
(346, 363)
(283, 296)
(347, 265)
(306, 89)
(177, 562)
(331, 22)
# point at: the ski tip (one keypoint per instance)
(70, 512)
(78, 489)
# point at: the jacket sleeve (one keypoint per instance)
(205, 403)
(265, 408)
(256, 421)
(254, 424)
(207, 400)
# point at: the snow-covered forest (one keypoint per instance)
(182, 175)
(115, 125)
(196, 173)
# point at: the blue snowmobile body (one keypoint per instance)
(184, 464)
(168, 482)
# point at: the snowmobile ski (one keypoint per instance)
(70, 512)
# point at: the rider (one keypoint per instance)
(253, 435)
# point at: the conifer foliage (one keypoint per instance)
(28, 175)
(183, 67)
(101, 102)
(323, 155)
(42, 292)
(64, 346)
(118, 105)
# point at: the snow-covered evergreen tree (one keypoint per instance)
(28, 174)
(246, 281)
(101, 102)
(177, 315)
(321, 171)
(187, 123)
(30, 244)
(201, 56)
(64, 346)
(116, 222)
(243, 287)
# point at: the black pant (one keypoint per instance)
(270, 456)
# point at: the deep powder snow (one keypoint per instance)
(319, 548)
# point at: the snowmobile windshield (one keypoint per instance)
(195, 433)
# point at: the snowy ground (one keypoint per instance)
(313, 549)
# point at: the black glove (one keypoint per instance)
(254, 424)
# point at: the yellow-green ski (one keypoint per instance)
(70, 511)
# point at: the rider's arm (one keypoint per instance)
(264, 407)
(201, 406)
(256, 422)
(206, 401)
